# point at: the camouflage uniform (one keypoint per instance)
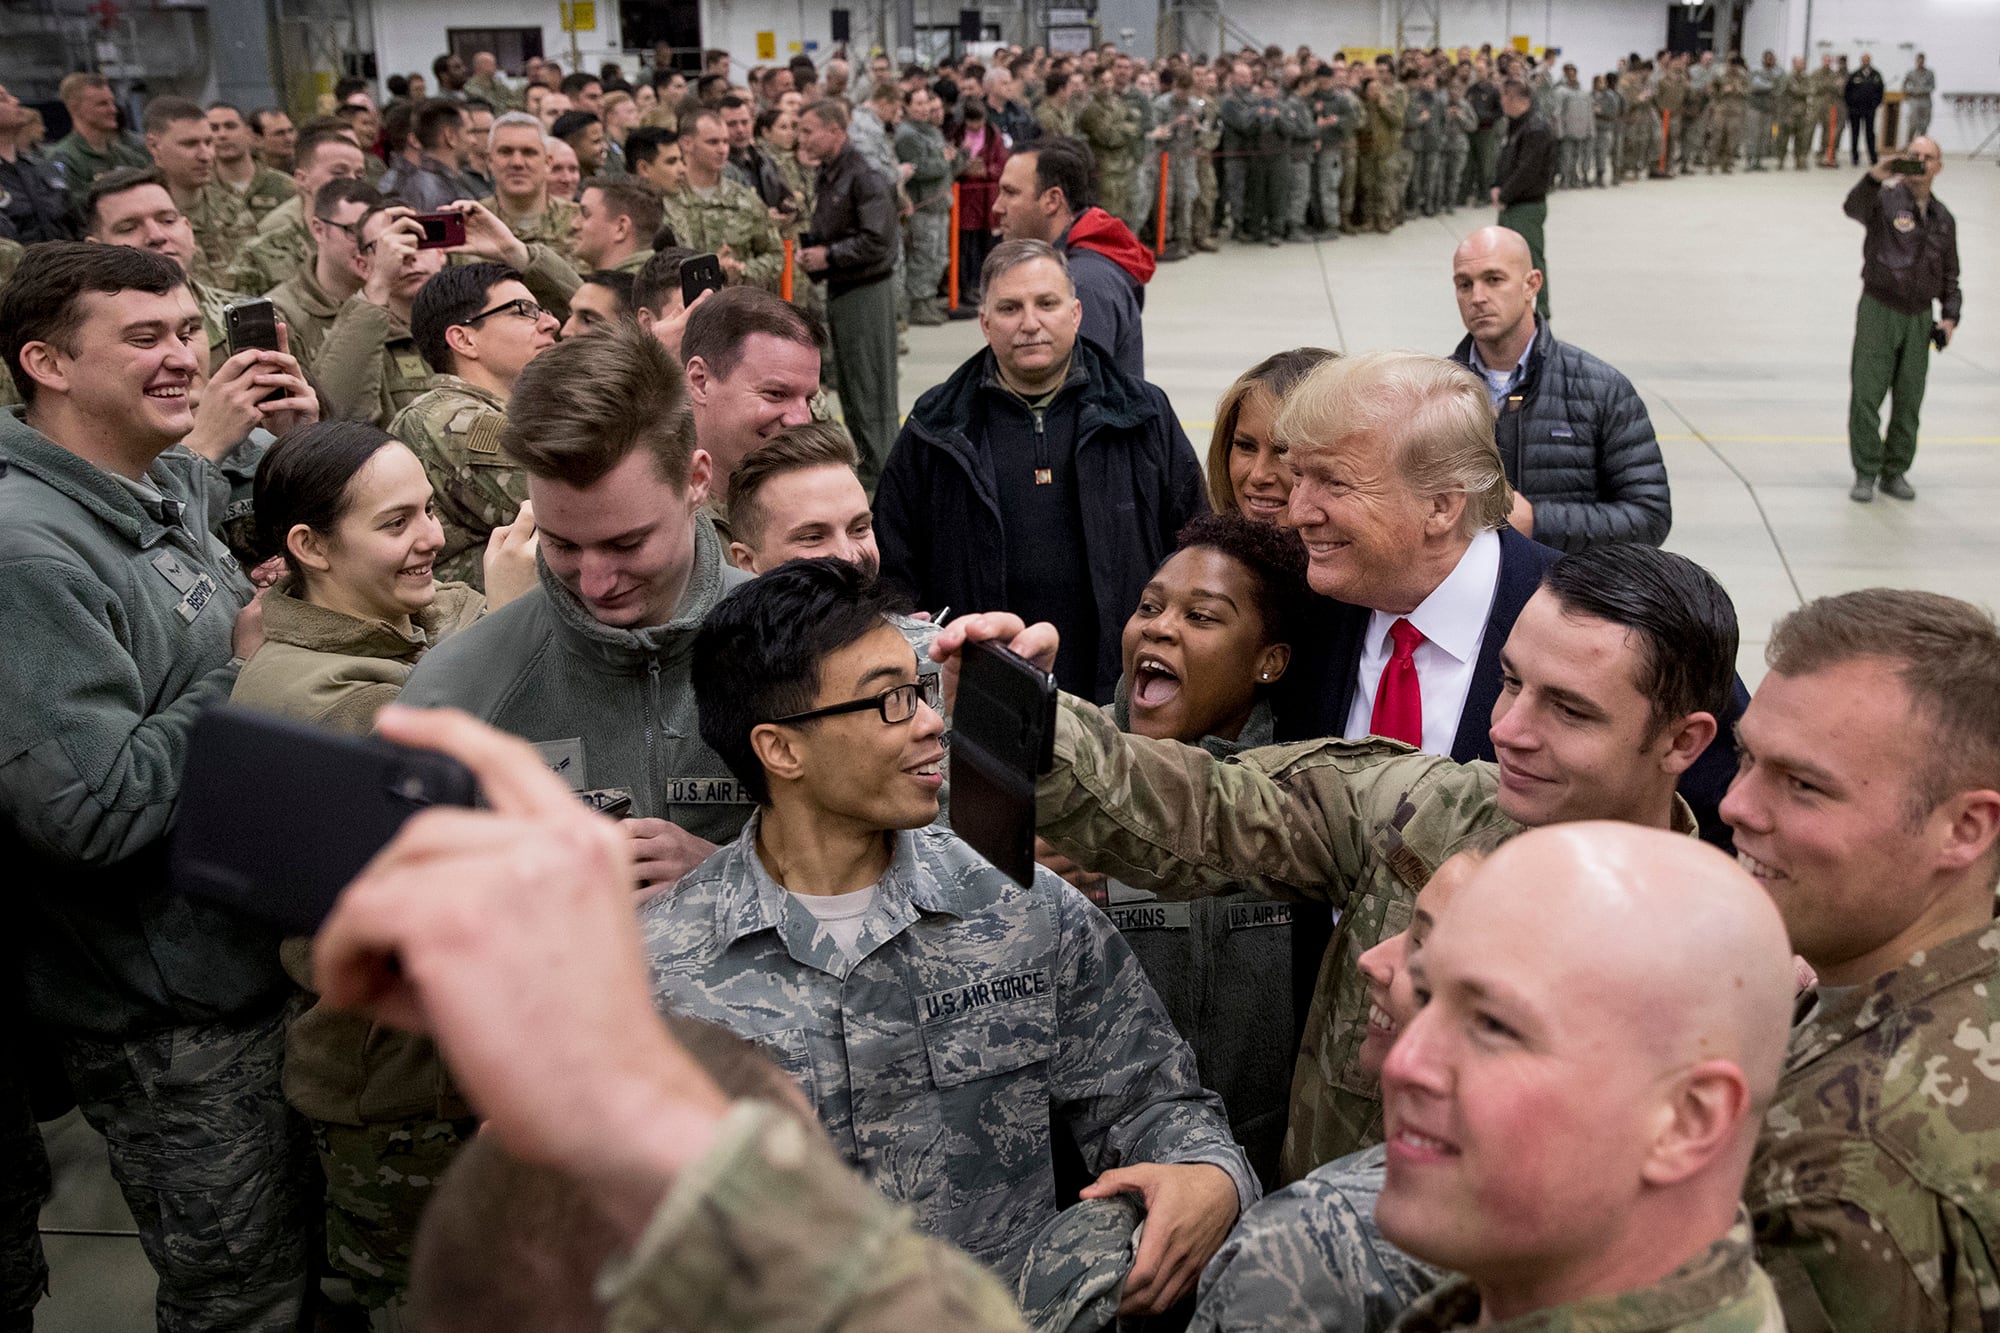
(1730, 100)
(1381, 176)
(1075, 1271)
(1208, 188)
(1828, 107)
(223, 225)
(1181, 116)
(731, 215)
(212, 1178)
(1358, 825)
(1056, 121)
(378, 1179)
(771, 1231)
(554, 226)
(1460, 120)
(1641, 123)
(455, 429)
(1700, 112)
(971, 1016)
(1919, 85)
(1295, 120)
(927, 231)
(496, 91)
(266, 190)
(277, 253)
(1720, 1291)
(1873, 1187)
(1311, 1257)
(366, 364)
(1672, 95)
(1113, 128)
(1795, 119)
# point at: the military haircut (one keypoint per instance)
(114, 183)
(757, 656)
(585, 404)
(348, 86)
(1065, 163)
(573, 84)
(620, 285)
(1276, 375)
(510, 1247)
(1010, 255)
(1947, 654)
(255, 120)
(1684, 622)
(452, 295)
(705, 86)
(227, 106)
(572, 123)
(793, 449)
(435, 118)
(162, 112)
(345, 190)
(306, 478)
(76, 85)
(691, 118)
(631, 198)
(399, 123)
(1275, 557)
(316, 133)
(718, 328)
(645, 143)
(658, 280)
(43, 302)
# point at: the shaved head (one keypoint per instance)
(1571, 1112)
(1501, 245)
(1496, 281)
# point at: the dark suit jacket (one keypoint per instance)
(1317, 691)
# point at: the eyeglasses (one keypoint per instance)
(352, 230)
(895, 705)
(523, 307)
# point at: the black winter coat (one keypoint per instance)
(937, 513)
(1576, 440)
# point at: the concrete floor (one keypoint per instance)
(1728, 301)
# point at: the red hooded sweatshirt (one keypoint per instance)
(1095, 229)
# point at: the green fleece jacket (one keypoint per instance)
(337, 671)
(611, 710)
(119, 613)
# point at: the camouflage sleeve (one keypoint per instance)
(1286, 821)
(247, 272)
(1123, 1079)
(1311, 1256)
(763, 254)
(550, 279)
(348, 369)
(771, 1232)
(1838, 1270)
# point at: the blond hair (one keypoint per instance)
(1431, 414)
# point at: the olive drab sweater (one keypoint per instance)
(611, 710)
(120, 608)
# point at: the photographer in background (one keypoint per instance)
(1909, 259)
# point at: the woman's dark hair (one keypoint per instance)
(757, 656)
(306, 478)
(1275, 557)
(766, 119)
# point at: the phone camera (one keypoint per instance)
(413, 788)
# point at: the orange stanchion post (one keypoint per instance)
(951, 249)
(1832, 143)
(1160, 230)
(785, 278)
(1666, 136)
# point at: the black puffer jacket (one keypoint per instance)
(1576, 440)
(937, 510)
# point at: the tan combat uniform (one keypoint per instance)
(223, 225)
(454, 428)
(732, 214)
(554, 226)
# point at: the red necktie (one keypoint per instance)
(1399, 703)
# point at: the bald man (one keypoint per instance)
(1574, 438)
(1909, 262)
(1572, 1110)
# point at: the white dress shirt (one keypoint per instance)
(1453, 622)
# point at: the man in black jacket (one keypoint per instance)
(1527, 170)
(1039, 479)
(1863, 96)
(852, 248)
(1908, 260)
(1575, 439)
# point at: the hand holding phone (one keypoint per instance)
(701, 273)
(442, 231)
(1907, 166)
(276, 817)
(1003, 738)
